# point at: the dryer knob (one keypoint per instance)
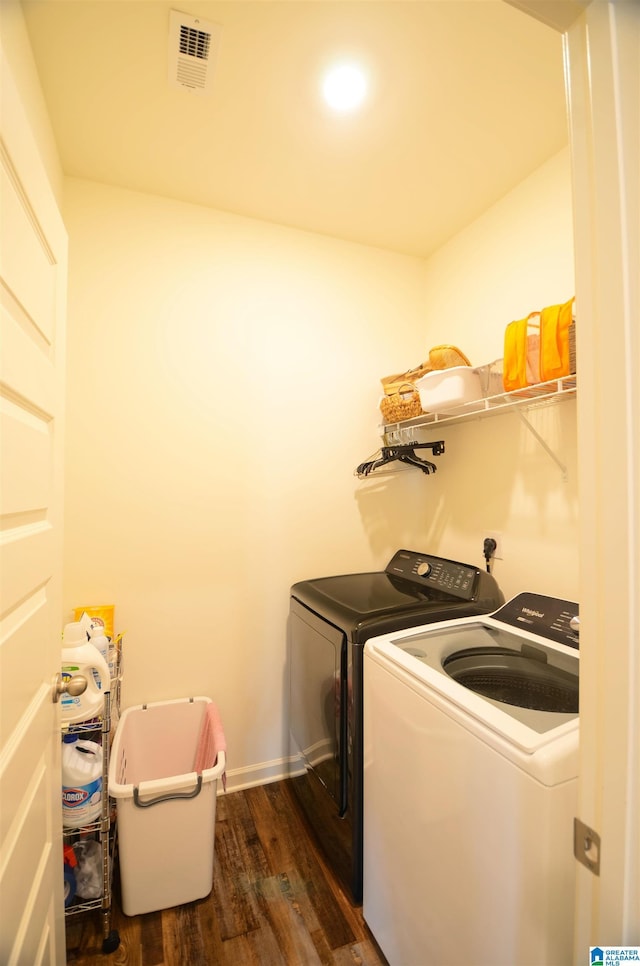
(574, 624)
(424, 569)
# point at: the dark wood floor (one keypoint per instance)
(274, 901)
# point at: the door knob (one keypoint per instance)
(74, 686)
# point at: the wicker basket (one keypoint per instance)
(402, 402)
(391, 384)
(401, 399)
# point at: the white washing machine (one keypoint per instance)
(470, 788)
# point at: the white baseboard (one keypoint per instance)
(261, 774)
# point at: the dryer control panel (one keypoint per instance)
(449, 576)
(551, 617)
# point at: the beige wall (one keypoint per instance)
(223, 385)
(514, 259)
(222, 388)
(495, 475)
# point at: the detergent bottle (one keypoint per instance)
(99, 639)
(79, 656)
(81, 781)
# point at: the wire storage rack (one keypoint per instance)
(104, 830)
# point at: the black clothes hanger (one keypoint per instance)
(403, 453)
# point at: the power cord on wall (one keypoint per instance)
(489, 550)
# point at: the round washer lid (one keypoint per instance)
(514, 678)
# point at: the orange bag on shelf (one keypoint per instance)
(540, 348)
(555, 353)
(521, 365)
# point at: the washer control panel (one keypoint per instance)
(550, 617)
(448, 576)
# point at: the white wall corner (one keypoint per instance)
(560, 15)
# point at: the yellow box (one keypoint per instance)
(104, 611)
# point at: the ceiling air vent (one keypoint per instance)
(193, 48)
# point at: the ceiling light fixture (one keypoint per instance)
(344, 87)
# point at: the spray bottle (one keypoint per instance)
(99, 640)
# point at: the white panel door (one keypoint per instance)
(602, 70)
(602, 55)
(33, 277)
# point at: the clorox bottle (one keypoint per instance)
(81, 657)
(81, 781)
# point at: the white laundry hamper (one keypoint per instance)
(166, 809)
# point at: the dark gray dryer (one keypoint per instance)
(330, 619)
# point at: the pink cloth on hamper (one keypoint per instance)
(210, 742)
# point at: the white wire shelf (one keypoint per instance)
(542, 392)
